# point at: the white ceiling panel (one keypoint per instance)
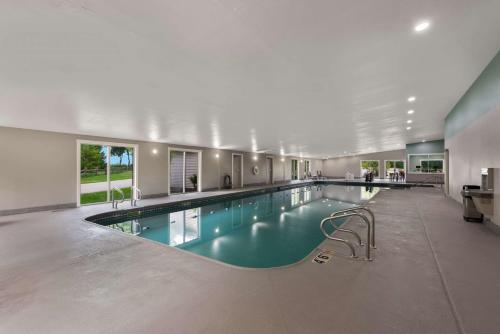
(317, 78)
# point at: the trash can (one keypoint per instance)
(470, 211)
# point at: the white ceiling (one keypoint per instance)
(312, 77)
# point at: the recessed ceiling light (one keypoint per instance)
(255, 157)
(412, 99)
(411, 112)
(154, 151)
(408, 128)
(409, 121)
(421, 26)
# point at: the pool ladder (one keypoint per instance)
(358, 211)
(136, 195)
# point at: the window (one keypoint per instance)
(370, 166)
(431, 166)
(426, 163)
(393, 167)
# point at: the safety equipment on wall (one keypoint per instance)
(255, 170)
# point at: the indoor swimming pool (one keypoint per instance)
(264, 231)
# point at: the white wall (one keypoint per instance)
(475, 147)
(38, 168)
(337, 167)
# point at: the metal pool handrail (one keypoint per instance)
(360, 242)
(370, 238)
(135, 196)
(344, 241)
(366, 209)
(114, 202)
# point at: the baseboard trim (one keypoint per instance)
(37, 209)
(492, 226)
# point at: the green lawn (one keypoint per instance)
(100, 196)
(102, 177)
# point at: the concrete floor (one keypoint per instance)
(433, 273)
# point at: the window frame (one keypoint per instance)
(425, 159)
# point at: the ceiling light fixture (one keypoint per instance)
(408, 128)
(255, 157)
(154, 151)
(412, 99)
(421, 26)
(409, 121)
(411, 112)
(282, 159)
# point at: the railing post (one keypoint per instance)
(370, 238)
(344, 241)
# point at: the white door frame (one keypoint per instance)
(232, 169)
(385, 165)
(79, 143)
(180, 149)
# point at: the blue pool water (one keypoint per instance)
(263, 231)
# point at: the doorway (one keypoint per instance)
(295, 169)
(269, 161)
(237, 170)
(307, 169)
(104, 168)
(184, 171)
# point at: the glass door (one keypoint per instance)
(295, 169)
(121, 170)
(184, 170)
(94, 173)
(307, 169)
(103, 169)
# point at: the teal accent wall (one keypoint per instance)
(483, 96)
(435, 146)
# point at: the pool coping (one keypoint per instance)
(183, 204)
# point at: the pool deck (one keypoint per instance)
(432, 273)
